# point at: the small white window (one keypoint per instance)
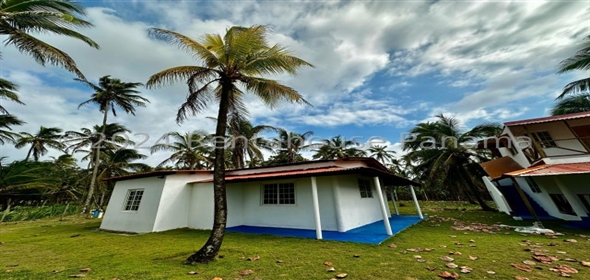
(365, 188)
(544, 139)
(133, 199)
(283, 193)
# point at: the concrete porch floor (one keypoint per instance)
(373, 233)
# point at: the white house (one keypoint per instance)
(329, 195)
(545, 168)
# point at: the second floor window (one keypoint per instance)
(544, 139)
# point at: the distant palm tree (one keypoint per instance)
(45, 137)
(572, 104)
(580, 61)
(288, 145)
(109, 95)
(90, 140)
(338, 147)
(6, 135)
(117, 163)
(246, 143)
(190, 150)
(381, 154)
(446, 158)
(230, 64)
(18, 18)
(8, 92)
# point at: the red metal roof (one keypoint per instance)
(388, 177)
(553, 169)
(154, 174)
(550, 119)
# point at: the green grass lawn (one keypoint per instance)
(33, 250)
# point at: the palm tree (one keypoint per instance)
(580, 61)
(288, 145)
(231, 66)
(46, 137)
(572, 104)
(381, 154)
(190, 150)
(441, 155)
(246, 143)
(6, 135)
(8, 92)
(87, 140)
(337, 147)
(109, 94)
(20, 17)
(117, 163)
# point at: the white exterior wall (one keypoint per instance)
(576, 184)
(200, 215)
(235, 205)
(548, 186)
(142, 220)
(357, 211)
(300, 215)
(175, 201)
(497, 196)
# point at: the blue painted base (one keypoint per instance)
(372, 233)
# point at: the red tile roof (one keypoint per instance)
(553, 169)
(550, 119)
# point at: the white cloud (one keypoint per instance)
(493, 55)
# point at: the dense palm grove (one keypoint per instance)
(228, 67)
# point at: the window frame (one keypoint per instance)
(128, 203)
(563, 206)
(365, 188)
(585, 198)
(533, 185)
(544, 139)
(277, 192)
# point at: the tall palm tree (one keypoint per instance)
(189, 150)
(18, 18)
(6, 135)
(109, 95)
(45, 137)
(572, 104)
(381, 154)
(288, 145)
(442, 155)
(8, 92)
(231, 65)
(337, 147)
(580, 61)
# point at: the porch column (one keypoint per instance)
(393, 200)
(386, 202)
(416, 202)
(316, 208)
(382, 203)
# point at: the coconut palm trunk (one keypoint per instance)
(213, 244)
(96, 163)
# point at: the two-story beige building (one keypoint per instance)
(544, 170)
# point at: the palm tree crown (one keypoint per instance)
(580, 61)
(231, 65)
(46, 137)
(572, 104)
(442, 156)
(20, 17)
(8, 92)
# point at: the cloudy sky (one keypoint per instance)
(380, 66)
